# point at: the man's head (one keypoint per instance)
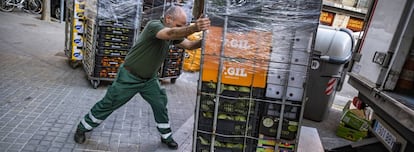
(175, 17)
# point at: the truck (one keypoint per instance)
(382, 70)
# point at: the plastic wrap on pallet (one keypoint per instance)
(118, 11)
(262, 42)
(155, 9)
(90, 9)
(257, 50)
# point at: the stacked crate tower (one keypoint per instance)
(74, 31)
(111, 29)
(254, 69)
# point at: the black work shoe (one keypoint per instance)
(170, 143)
(79, 136)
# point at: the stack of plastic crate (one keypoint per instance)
(111, 32)
(172, 65)
(254, 72)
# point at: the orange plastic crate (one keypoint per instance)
(240, 72)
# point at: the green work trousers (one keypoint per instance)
(124, 87)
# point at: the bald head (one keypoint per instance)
(175, 16)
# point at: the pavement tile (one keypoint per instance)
(21, 140)
(41, 148)
(9, 140)
(28, 147)
(4, 145)
(16, 147)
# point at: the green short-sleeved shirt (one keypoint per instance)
(148, 53)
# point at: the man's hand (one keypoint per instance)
(201, 24)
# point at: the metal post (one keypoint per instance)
(62, 10)
(200, 78)
(219, 73)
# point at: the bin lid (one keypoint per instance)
(335, 43)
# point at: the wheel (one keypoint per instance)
(95, 83)
(35, 6)
(173, 80)
(56, 12)
(74, 63)
(7, 8)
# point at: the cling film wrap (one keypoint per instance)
(258, 50)
(119, 11)
(90, 9)
(260, 40)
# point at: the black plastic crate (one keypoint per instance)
(116, 30)
(173, 61)
(119, 23)
(114, 45)
(109, 61)
(236, 126)
(115, 37)
(175, 55)
(232, 106)
(291, 113)
(289, 128)
(266, 143)
(105, 72)
(172, 66)
(168, 61)
(112, 52)
(171, 72)
(176, 50)
(224, 144)
(233, 91)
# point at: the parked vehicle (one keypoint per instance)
(383, 72)
(55, 8)
(33, 6)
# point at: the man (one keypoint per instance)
(138, 74)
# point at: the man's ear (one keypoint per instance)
(168, 19)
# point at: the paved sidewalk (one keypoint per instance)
(42, 98)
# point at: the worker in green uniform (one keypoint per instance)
(138, 74)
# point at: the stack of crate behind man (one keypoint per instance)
(254, 70)
(173, 63)
(111, 28)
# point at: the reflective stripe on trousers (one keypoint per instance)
(124, 87)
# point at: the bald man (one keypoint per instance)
(138, 74)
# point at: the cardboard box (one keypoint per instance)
(354, 120)
(350, 133)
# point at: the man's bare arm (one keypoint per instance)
(176, 32)
(182, 32)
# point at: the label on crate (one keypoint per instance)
(241, 72)
(239, 44)
(79, 10)
(77, 40)
(79, 26)
(77, 54)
